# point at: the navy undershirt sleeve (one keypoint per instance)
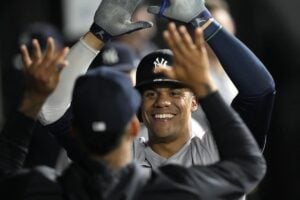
(245, 70)
(256, 87)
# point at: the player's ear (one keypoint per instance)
(195, 103)
(134, 127)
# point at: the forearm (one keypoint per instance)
(16, 134)
(256, 87)
(31, 104)
(246, 71)
(256, 113)
(79, 57)
(14, 141)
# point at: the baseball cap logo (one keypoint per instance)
(110, 56)
(99, 126)
(160, 61)
(100, 34)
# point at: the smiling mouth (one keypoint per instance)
(163, 116)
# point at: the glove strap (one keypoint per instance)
(164, 5)
(201, 19)
(100, 33)
(213, 28)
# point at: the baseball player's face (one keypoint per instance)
(167, 112)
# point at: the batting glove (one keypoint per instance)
(113, 18)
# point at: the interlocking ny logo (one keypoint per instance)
(160, 61)
(101, 34)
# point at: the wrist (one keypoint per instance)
(31, 105)
(100, 33)
(210, 26)
(201, 19)
(93, 43)
(204, 89)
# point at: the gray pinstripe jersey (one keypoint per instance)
(200, 149)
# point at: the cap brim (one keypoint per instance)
(167, 82)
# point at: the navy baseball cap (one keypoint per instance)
(104, 102)
(145, 76)
(116, 55)
(41, 31)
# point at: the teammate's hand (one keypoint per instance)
(42, 72)
(113, 18)
(191, 64)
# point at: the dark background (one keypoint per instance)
(270, 28)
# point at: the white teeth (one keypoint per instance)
(164, 116)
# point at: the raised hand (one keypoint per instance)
(192, 13)
(191, 64)
(189, 12)
(113, 18)
(42, 72)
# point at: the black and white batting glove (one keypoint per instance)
(113, 18)
(190, 12)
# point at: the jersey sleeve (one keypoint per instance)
(241, 165)
(256, 87)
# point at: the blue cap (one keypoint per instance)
(104, 102)
(41, 31)
(116, 55)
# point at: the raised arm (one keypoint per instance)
(112, 19)
(255, 85)
(80, 56)
(42, 72)
(241, 164)
(243, 67)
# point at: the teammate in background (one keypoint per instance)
(117, 56)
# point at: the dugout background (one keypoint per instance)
(271, 28)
